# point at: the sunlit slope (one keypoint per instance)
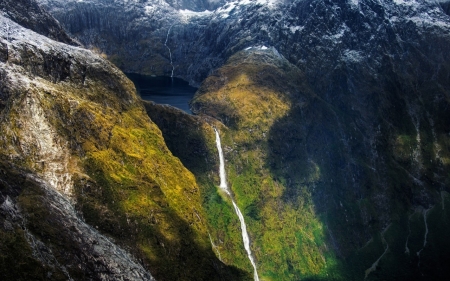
(318, 203)
(73, 119)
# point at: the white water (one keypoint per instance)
(223, 177)
(224, 187)
(425, 236)
(215, 247)
(170, 52)
(375, 264)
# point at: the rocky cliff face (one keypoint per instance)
(351, 145)
(89, 190)
(43, 237)
(310, 34)
(30, 15)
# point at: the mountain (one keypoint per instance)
(332, 115)
(89, 190)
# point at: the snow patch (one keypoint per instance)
(338, 35)
(259, 47)
(410, 3)
(150, 10)
(354, 3)
(225, 11)
(293, 29)
(269, 3)
(188, 14)
(262, 2)
(352, 56)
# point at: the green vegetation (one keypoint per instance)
(126, 183)
(288, 238)
(318, 203)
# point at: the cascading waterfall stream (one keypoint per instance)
(223, 178)
(224, 187)
(170, 52)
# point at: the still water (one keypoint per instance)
(164, 90)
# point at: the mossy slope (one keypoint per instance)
(73, 119)
(324, 188)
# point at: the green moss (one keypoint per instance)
(127, 183)
(16, 258)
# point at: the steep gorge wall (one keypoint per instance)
(318, 203)
(74, 130)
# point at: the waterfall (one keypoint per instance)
(425, 236)
(223, 177)
(214, 246)
(224, 186)
(170, 52)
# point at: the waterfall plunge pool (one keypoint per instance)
(164, 90)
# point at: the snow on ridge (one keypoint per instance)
(258, 47)
(225, 10)
(188, 14)
(339, 34)
(354, 2)
(270, 3)
(149, 10)
(293, 29)
(411, 3)
(352, 56)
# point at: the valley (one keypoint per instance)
(316, 146)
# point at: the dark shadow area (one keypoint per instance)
(166, 244)
(361, 135)
(445, 7)
(184, 135)
(164, 90)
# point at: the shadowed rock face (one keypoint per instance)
(54, 241)
(365, 168)
(445, 6)
(30, 15)
(314, 35)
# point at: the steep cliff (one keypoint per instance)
(30, 15)
(89, 190)
(314, 35)
(318, 204)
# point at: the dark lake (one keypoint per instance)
(164, 90)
